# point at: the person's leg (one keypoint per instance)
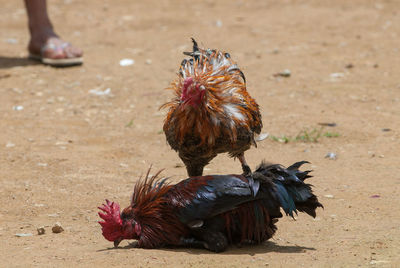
(44, 41)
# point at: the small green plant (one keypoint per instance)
(331, 134)
(282, 139)
(306, 135)
(130, 123)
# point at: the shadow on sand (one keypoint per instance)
(9, 62)
(266, 247)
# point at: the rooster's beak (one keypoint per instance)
(116, 242)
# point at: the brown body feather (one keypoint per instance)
(158, 223)
(155, 208)
(226, 120)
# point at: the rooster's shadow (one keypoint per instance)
(252, 250)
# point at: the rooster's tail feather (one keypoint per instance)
(289, 187)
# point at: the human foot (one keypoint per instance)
(54, 51)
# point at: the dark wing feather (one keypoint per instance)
(201, 198)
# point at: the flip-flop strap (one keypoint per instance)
(54, 47)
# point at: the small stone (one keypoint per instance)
(349, 66)
(331, 156)
(328, 196)
(324, 124)
(23, 234)
(149, 61)
(99, 92)
(375, 196)
(11, 41)
(126, 62)
(275, 51)
(57, 228)
(336, 75)
(10, 144)
(284, 73)
(18, 108)
(41, 230)
(386, 129)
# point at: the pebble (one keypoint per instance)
(57, 228)
(11, 41)
(324, 124)
(18, 108)
(98, 92)
(275, 51)
(373, 262)
(23, 234)
(375, 196)
(41, 230)
(126, 62)
(10, 144)
(328, 196)
(336, 76)
(284, 73)
(331, 156)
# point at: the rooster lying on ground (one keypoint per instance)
(211, 211)
(211, 112)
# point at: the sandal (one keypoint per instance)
(57, 55)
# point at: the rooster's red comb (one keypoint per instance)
(112, 223)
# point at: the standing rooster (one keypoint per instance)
(212, 112)
(210, 211)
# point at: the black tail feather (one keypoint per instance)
(289, 187)
(196, 51)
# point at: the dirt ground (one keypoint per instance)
(63, 149)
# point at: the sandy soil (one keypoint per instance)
(67, 149)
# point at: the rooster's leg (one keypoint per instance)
(246, 169)
(192, 243)
(213, 241)
(195, 165)
(194, 170)
(205, 238)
